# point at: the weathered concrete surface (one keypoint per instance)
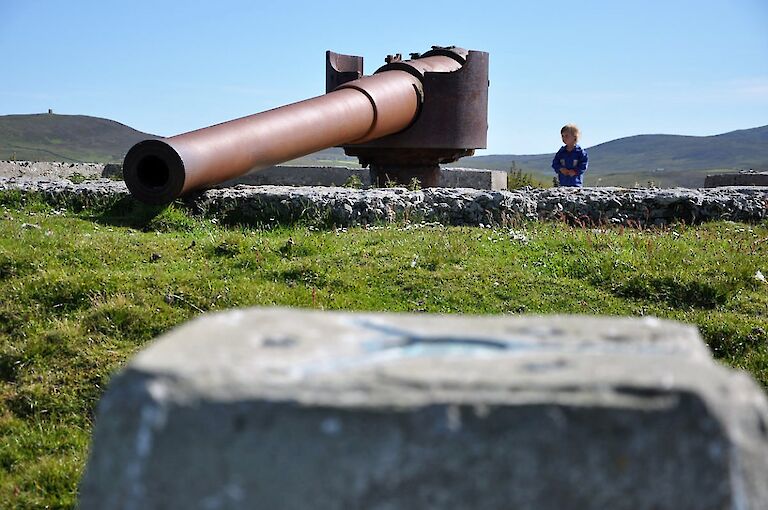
(456, 177)
(289, 409)
(737, 179)
(451, 206)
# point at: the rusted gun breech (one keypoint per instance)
(356, 111)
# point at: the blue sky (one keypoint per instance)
(614, 68)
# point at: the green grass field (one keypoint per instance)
(82, 291)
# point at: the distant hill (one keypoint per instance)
(68, 138)
(668, 160)
(333, 156)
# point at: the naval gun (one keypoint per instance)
(402, 122)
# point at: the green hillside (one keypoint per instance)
(80, 138)
(667, 160)
(69, 138)
(333, 156)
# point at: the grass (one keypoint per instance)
(82, 291)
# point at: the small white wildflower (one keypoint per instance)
(518, 236)
(413, 262)
(759, 276)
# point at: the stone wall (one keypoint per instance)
(589, 206)
(348, 207)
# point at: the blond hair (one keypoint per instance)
(572, 129)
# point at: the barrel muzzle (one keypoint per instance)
(154, 172)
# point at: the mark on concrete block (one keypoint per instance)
(331, 426)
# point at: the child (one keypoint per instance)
(571, 161)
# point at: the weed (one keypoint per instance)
(171, 219)
(353, 182)
(78, 178)
(119, 318)
(517, 179)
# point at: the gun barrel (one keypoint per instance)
(157, 171)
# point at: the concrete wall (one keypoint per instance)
(296, 409)
(339, 176)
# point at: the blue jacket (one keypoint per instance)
(577, 160)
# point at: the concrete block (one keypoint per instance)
(495, 180)
(112, 171)
(292, 409)
(736, 179)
